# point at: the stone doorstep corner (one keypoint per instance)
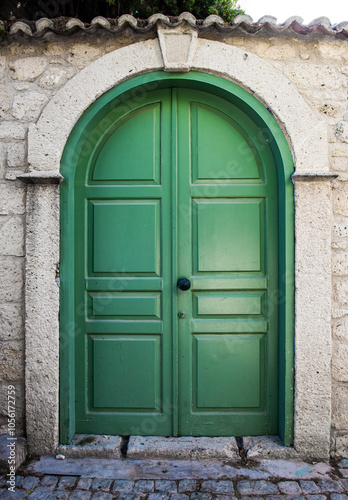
(175, 448)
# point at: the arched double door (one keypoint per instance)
(175, 182)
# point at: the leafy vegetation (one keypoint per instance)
(87, 9)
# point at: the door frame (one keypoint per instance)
(307, 135)
(137, 87)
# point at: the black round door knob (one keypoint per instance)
(183, 284)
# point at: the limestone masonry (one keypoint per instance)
(38, 73)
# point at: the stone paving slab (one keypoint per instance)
(92, 446)
(192, 448)
(104, 479)
(179, 469)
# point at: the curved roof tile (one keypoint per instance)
(266, 25)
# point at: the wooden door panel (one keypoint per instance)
(227, 248)
(123, 256)
(126, 236)
(131, 152)
(228, 372)
(133, 364)
(223, 151)
(227, 235)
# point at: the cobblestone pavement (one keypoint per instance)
(85, 479)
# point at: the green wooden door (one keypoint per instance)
(179, 183)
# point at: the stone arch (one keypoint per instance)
(306, 135)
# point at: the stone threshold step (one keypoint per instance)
(175, 448)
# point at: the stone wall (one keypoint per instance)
(31, 73)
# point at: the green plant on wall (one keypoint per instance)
(227, 9)
(88, 9)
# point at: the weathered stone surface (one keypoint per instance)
(315, 76)
(340, 407)
(12, 360)
(28, 68)
(29, 105)
(256, 488)
(5, 102)
(342, 447)
(341, 291)
(2, 159)
(55, 76)
(11, 279)
(93, 446)
(221, 487)
(20, 450)
(12, 200)
(289, 487)
(341, 131)
(125, 485)
(42, 327)
(12, 236)
(16, 153)
(340, 227)
(267, 447)
(12, 130)
(82, 54)
(340, 361)
(340, 263)
(158, 447)
(11, 321)
(165, 485)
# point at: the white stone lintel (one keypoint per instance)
(41, 178)
(178, 47)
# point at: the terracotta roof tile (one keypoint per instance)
(242, 24)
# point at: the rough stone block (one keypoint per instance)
(340, 228)
(19, 399)
(340, 263)
(28, 106)
(3, 149)
(12, 361)
(11, 279)
(157, 447)
(340, 407)
(342, 446)
(12, 236)
(341, 291)
(12, 199)
(55, 77)
(340, 361)
(341, 131)
(5, 102)
(12, 130)
(256, 488)
(20, 448)
(80, 55)
(315, 76)
(165, 485)
(124, 485)
(11, 321)
(16, 153)
(28, 68)
(92, 446)
(289, 487)
(267, 447)
(144, 485)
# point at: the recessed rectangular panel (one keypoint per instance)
(126, 372)
(132, 150)
(228, 235)
(126, 304)
(228, 303)
(126, 236)
(221, 149)
(228, 371)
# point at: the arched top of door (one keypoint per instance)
(134, 93)
(277, 104)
